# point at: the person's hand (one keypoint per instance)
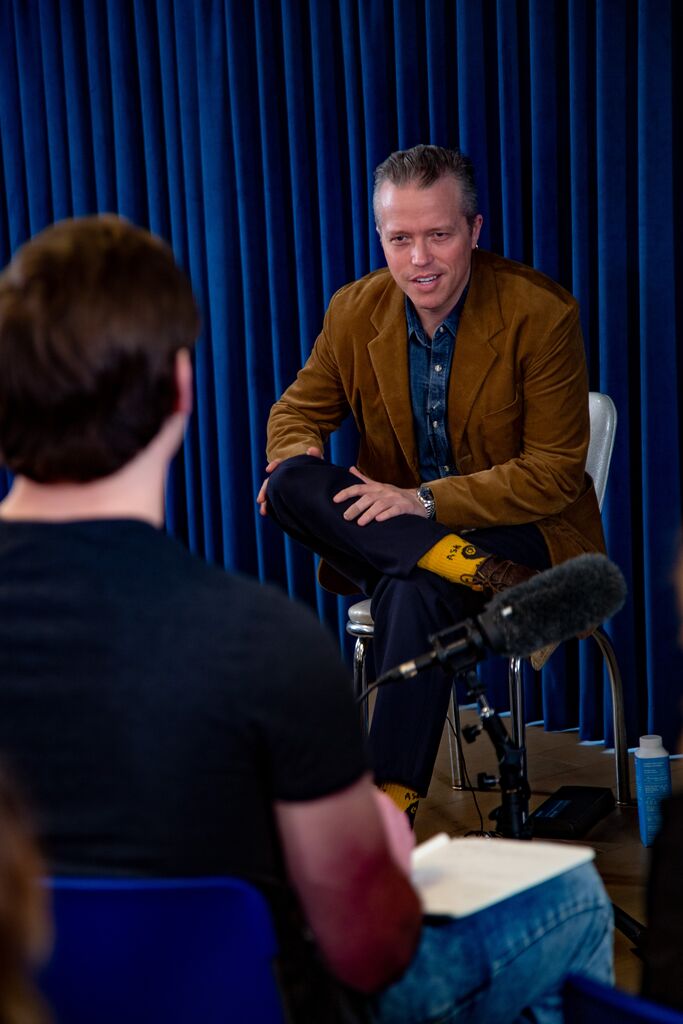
(379, 501)
(261, 496)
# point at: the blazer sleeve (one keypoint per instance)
(526, 461)
(313, 406)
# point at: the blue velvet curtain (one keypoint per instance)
(246, 134)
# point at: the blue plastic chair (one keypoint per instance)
(590, 1002)
(168, 951)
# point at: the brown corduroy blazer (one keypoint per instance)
(517, 402)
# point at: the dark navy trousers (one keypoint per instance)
(408, 603)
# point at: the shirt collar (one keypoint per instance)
(450, 322)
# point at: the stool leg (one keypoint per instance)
(360, 677)
(618, 718)
(454, 742)
(516, 691)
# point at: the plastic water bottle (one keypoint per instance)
(653, 784)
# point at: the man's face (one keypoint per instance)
(428, 244)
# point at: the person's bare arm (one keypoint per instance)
(361, 907)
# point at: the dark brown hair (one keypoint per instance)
(425, 165)
(92, 314)
(24, 931)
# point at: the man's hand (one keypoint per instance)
(261, 496)
(379, 501)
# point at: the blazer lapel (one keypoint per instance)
(474, 354)
(388, 353)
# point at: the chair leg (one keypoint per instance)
(623, 781)
(618, 719)
(360, 678)
(454, 742)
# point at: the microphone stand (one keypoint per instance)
(457, 649)
(511, 816)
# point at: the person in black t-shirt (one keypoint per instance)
(167, 718)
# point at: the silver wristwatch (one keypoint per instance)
(427, 498)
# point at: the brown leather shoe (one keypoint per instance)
(539, 657)
(496, 574)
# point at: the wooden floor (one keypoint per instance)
(555, 759)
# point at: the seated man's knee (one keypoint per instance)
(288, 478)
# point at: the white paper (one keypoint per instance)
(461, 876)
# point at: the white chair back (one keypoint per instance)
(603, 417)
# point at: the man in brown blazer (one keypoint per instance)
(465, 374)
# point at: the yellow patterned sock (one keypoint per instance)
(406, 799)
(454, 559)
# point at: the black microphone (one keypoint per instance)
(573, 597)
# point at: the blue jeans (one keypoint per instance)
(507, 963)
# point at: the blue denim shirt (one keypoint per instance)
(430, 369)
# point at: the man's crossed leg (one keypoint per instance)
(383, 560)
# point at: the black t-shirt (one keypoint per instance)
(152, 707)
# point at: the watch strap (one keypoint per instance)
(426, 496)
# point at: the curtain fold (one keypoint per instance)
(247, 134)
(659, 371)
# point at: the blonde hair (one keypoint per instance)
(424, 166)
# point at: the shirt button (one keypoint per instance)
(446, 469)
(438, 367)
(440, 330)
(435, 423)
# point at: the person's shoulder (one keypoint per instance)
(222, 595)
(180, 573)
(218, 587)
(518, 282)
(362, 294)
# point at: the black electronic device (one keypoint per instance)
(571, 812)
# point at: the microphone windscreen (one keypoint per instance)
(572, 598)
